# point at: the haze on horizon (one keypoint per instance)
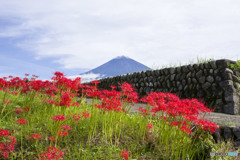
(38, 37)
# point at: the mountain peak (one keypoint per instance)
(117, 66)
(122, 57)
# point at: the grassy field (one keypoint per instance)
(48, 120)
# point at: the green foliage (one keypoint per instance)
(235, 66)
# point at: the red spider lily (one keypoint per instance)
(75, 104)
(76, 117)
(124, 155)
(21, 121)
(112, 87)
(52, 153)
(34, 136)
(110, 94)
(12, 139)
(143, 111)
(26, 74)
(126, 88)
(58, 118)
(185, 129)
(7, 147)
(5, 154)
(111, 104)
(7, 101)
(66, 99)
(49, 101)
(4, 132)
(66, 127)
(62, 133)
(58, 74)
(18, 110)
(149, 125)
(35, 76)
(14, 93)
(52, 139)
(207, 125)
(26, 109)
(163, 117)
(86, 114)
(95, 82)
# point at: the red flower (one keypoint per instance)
(21, 121)
(124, 155)
(113, 87)
(26, 74)
(58, 74)
(26, 109)
(5, 154)
(143, 111)
(185, 129)
(4, 132)
(52, 153)
(52, 139)
(18, 110)
(95, 82)
(207, 125)
(76, 117)
(62, 133)
(66, 127)
(149, 125)
(85, 114)
(34, 136)
(58, 118)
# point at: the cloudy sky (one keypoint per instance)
(42, 36)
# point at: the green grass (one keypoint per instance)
(101, 136)
(193, 61)
(94, 133)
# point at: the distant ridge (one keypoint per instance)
(117, 66)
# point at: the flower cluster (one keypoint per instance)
(58, 118)
(173, 106)
(52, 153)
(34, 136)
(124, 155)
(64, 130)
(21, 121)
(78, 116)
(7, 143)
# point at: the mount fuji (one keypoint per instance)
(117, 66)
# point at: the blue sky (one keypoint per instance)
(39, 37)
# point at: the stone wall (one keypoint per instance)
(214, 82)
(227, 133)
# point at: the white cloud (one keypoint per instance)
(87, 77)
(85, 34)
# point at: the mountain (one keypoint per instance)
(117, 66)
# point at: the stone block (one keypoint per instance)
(227, 133)
(190, 67)
(210, 79)
(202, 79)
(222, 63)
(236, 132)
(213, 64)
(225, 83)
(196, 66)
(199, 74)
(231, 108)
(172, 70)
(206, 85)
